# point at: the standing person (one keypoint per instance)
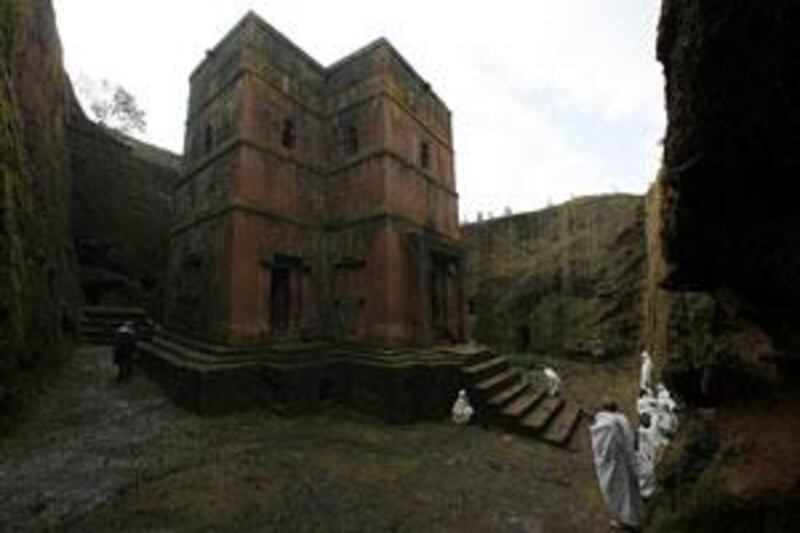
(647, 454)
(553, 381)
(664, 397)
(124, 346)
(646, 403)
(667, 420)
(613, 446)
(646, 377)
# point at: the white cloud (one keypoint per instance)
(538, 89)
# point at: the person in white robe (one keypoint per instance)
(647, 454)
(663, 395)
(647, 403)
(646, 376)
(667, 419)
(553, 381)
(615, 462)
(462, 410)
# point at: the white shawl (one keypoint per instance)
(615, 463)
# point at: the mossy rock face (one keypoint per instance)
(121, 214)
(722, 217)
(723, 228)
(565, 280)
(729, 212)
(37, 276)
(694, 492)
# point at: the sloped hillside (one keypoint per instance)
(564, 280)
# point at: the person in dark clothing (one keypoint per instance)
(124, 346)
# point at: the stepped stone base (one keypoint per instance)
(98, 323)
(398, 385)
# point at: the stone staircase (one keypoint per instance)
(98, 323)
(503, 396)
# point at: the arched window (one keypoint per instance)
(288, 135)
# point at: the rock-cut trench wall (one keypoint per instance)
(565, 280)
(724, 264)
(121, 214)
(729, 217)
(38, 293)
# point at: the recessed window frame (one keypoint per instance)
(425, 155)
(289, 134)
(351, 140)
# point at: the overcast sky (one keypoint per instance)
(551, 99)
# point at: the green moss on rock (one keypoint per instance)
(565, 280)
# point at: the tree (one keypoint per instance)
(111, 105)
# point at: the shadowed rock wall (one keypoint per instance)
(38, 294)
(726, 224)
(728, 218)
(121, 213)
(678, 326)
(564, 280)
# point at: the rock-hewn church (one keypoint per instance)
(317, 203)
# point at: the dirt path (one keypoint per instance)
(102, 456)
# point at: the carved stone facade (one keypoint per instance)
(317, 203)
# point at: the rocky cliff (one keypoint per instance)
(121, 213)
(564, 280)
(724, 222)
(38, 294)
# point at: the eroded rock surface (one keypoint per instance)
(38, 293)
(727, 220)
(121, 214)
(564, 280)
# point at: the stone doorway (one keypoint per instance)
(280, 300)
(443, 305)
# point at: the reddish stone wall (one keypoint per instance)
(257, 241)
(323, 221)
(276, 185)
(356, 192)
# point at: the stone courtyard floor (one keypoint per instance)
(95, 455)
